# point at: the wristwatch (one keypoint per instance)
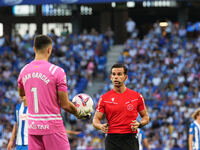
(140, 126)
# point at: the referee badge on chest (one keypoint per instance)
(130, 107)
(112, 99)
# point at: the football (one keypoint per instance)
(83, 101)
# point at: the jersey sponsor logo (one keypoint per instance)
(129, 107)
(112, 99)
(37, 126)
(131, 101)
(110, 102)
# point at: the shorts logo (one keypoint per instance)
(129, 107)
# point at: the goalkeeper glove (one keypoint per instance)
(82, 114)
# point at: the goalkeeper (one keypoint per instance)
(44, 85)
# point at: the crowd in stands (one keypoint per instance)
(164, 67)
(81, 56)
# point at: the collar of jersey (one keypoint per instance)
(120, 93)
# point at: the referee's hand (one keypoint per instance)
(104, 127)
(134, 125)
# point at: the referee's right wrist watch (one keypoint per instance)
(140, 126)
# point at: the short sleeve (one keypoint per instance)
(19, 81)
(16, 112)
(191, 129)
(141, 104)
(143, 135)
(61, 81)
(20, 78)
(100, 106)
(15, 115)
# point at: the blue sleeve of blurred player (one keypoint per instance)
(191, 130)
(143, 135)
(17, 112)
(15, 116)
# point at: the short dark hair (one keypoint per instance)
(41, 41)
(120, 66)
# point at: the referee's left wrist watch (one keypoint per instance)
(140, 126)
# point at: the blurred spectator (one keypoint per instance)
(81, 145)
(130, 26)
(90, 71)
(109, 35)
(27, 36)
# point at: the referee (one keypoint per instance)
(121, 107)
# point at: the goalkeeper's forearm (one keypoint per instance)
(72, 109)
(66, 104)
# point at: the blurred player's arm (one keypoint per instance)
(190, 141)
(146, 143)
(13, 136)
(73, 132)
(21, 92)
(97, 122)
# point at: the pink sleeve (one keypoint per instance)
(61, 81)
(100, 106)
(141, 104)
(19, 81)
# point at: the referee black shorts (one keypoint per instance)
(121, 142)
